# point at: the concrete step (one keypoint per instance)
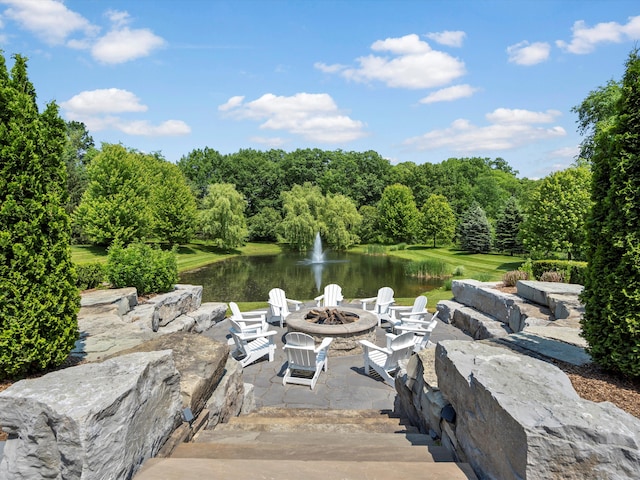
(199, 468)
(319, 413)
(320, 452)
(306, 439)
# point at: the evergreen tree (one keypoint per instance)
(611, 322)
(38, 298)
(508, 228)
(474, 231)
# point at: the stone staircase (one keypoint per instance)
(541, 318)
(280, 443)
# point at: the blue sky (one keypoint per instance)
(416, 81)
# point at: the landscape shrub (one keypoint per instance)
(527, 267)
(510, 279)
(447, 285)
(149, 269)
(483, 277)
(89, 275)
(571, 271)
(430, 268)
(458, 271)
(552, 276)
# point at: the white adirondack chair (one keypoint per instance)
(279, 305)
(305, 361)
(332, 296)
(422, 331)
(248, 321)
(417, 312)
(382, 303)
(385, 360)
(252, 346)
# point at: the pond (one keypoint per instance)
(249, 279)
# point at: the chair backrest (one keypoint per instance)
(419, 305)
(424, 339)
(332, 295)
(236, 331)
(385, 294)
(235, 311)
(278, 299)
(401, 348)
(300, 349)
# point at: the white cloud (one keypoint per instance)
(506, 116)
(118, 18)
(585, 39)
(565, 152)
(527, 54)
(411, 64)
(313, 116)
(168, 128)
(96, 109)
(449, 94)
(509, 129)
(49, 20)
(448, 37)
(323, 67)
(124, 44)
(109, 100)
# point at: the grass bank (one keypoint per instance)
(485, 267)
(190, 256)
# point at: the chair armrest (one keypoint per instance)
(399, 308)
(253, 317)
(367, 300)
(390, 302)
(326, 341)
(253, 336)
(296, 303)
(372, 346)
(410, 322)
(318, 300)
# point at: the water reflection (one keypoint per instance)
(249, 279)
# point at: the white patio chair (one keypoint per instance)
(248, 321)
(382, 303)
(422, 331)
(385, 360)
(417, 312)
(332, 296)
(305, 361)
(252, 346)
(279, 305)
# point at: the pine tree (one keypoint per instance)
(611, 322)
(38, 298)
(474, 231)
(508, 228)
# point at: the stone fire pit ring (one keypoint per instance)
(346, 337)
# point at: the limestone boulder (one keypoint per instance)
(229, 396)
(170, 305)
(124, 299)
(208, 315)
(200, 361)
(519, 417)
(93, 421)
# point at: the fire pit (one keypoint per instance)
(331, 316)
(346, 336)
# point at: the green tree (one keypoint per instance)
(438, 220)
(115, 205)
(369, 230)
(222, 218)
(340, 220)
(556, 213)
(302, 206)
(508, 228)
(398, 215)
(76, 155)
(172, 203)
(39, 301)
(474, 231)
(263, 226)
(201, 168)
(611, 322)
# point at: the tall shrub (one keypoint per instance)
(611, 323)
(38, 298)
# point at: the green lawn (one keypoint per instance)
(191, 256)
